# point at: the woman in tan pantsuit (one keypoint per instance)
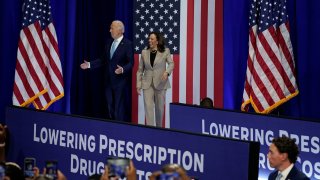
(152, 78)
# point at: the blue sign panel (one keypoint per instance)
(81, 146)
(253, 127)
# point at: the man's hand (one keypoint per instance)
(119, 70)
(84, 65)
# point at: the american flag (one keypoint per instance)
(193, 33)
(38, 74)
(270, 79)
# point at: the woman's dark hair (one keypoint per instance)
(160, 39)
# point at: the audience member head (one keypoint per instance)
(169, 168)
(95, 177)
(13, 171)
(131, 173)
(206, 102)
(45, 176)
(42, 177)
(282, 152)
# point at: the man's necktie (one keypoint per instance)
(279, 176)
(113, 48)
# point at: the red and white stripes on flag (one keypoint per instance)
(38, 74)
(198, 70)
(54, 76)
(270, 79)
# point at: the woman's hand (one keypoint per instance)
(165, 76)
(139, 91)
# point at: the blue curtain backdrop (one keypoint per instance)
(82, 27)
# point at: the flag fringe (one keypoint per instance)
(49, 103)
(30, 100)
(270, 108)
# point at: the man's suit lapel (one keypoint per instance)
(292, 173)
(274, 175)
(119, 47)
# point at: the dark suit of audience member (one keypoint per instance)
(294, 174)
(152, 77)
(283, 153)
(118, 62)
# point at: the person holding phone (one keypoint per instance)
(43, 176)
(131, 173)
(169, 172)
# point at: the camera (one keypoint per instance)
(29, 164)
(117, 166)
(51, 169)
(168, 176)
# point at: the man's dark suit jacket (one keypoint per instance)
(117, 85)
(294, 174)
(123, 56)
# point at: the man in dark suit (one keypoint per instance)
(283, 153)
(118, 62)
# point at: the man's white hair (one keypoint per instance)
(121, 25)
